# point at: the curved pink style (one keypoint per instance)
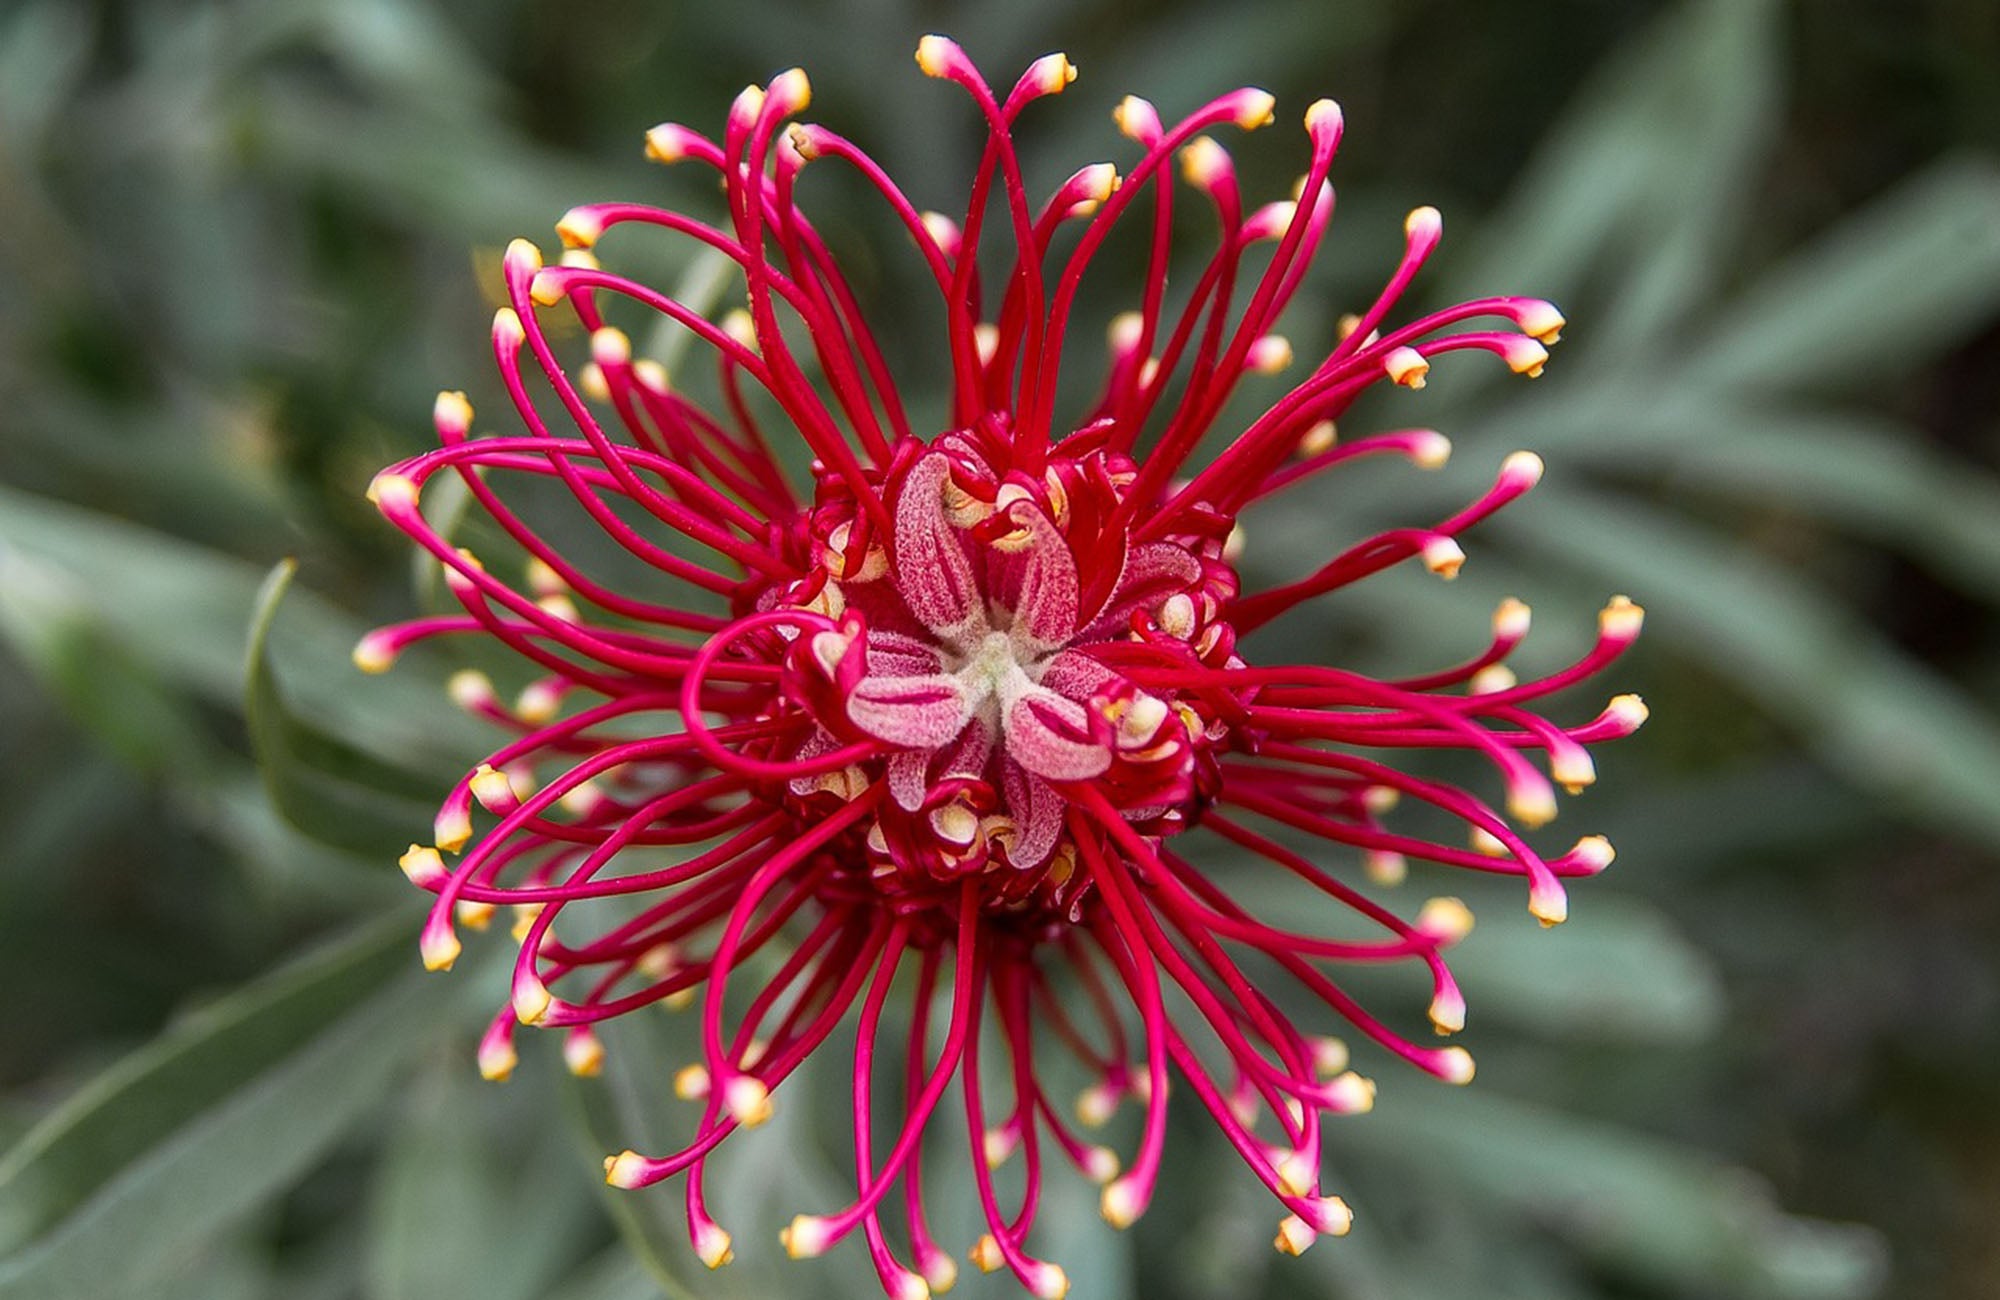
(960, 706)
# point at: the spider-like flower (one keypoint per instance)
(959, 710)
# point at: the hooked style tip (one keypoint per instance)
(940, 1271)
(375, 653)
(1254, 108)
(1454, 1065)
(790, 91)
(627, 1169)
(1048, 1281)
(1406, 366)
(522, 259)
(1525, 356)
(493, 790)
(1205, 163)
(1512, 620)
(1444, 921)
(938, 55)
(747, 1098)
(583, 1053)
(1348, 1093)
(1122, 1202)
(668, 142)
(1138, 120)
(452, 414)
(1522, 470)
(580, 227)
(439, 948)
(712, 1245)
(1540, 320)
(1548, 902)
(1293, 1235)
(691, 1082)
(1531, 801)
(531, 998)
(1443, 556)
(1447, 1011)
(1593, 853)
(497, 1060)
(1620, 620)
(1323, 117)
(452, 828)
(424, 867)
(1329, 1216)
(1051, 73)
(393, 494)
(807, 1236)
(985, 1254)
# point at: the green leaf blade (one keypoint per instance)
(192, 1132)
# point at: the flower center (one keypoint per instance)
(1006, 642)
(994, 668)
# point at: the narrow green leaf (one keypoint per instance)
(332, 791)
(232, 1268)
(43, 52)
(191, 1132)
(708, 279)
(1627, 975)
(1887, 287)
(1682, 829)
(1418, 1236)
(1716, 110)
(289, 867)
(463, 1205)
(613, 1275)
(1894, 726)
(1672, 1217)
(1625, 152)
(180, 610)
(409, 54)
(99, 682)
(179, 607)
(1873, 479)
(480, 180)
(176, 469)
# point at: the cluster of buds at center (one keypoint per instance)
(971, 707)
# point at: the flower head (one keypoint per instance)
(964, 698)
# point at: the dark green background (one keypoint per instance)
(241, 246)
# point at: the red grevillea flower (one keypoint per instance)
(954, 710)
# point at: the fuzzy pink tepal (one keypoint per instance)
(957, 711)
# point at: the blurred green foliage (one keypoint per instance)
(241, 244)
